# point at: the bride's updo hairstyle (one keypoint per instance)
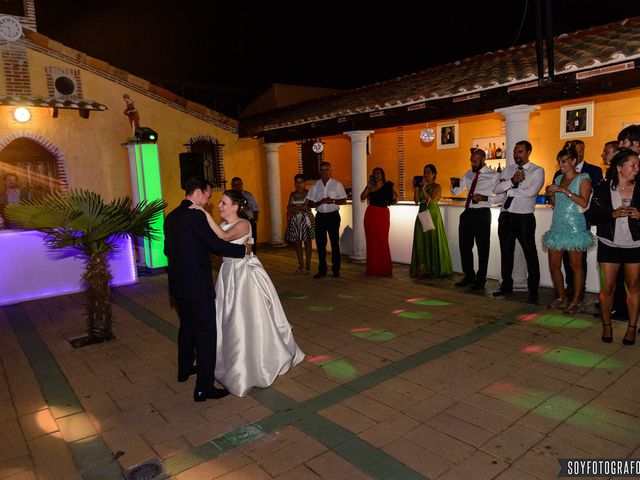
(238, 199)
(568, 151)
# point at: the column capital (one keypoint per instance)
(517, 111)
(358, 135)
(272, 147)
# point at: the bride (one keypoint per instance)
(255, 342)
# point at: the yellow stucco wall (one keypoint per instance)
(94, 156)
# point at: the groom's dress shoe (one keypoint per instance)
(184, 376)
(214, 394)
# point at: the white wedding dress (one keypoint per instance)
(255, 342)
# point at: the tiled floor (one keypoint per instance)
(403, 379)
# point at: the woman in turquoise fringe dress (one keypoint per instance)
(569, 232)
(430, 255)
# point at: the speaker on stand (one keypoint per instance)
(191, 165)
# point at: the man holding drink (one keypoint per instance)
(475, 220)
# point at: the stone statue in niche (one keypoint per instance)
(132, 113)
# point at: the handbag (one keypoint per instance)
(426, 220)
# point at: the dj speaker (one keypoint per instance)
(191, 165)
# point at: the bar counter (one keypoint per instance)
(403, 216)
(30, 270)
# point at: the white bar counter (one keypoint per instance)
(403, 217)
(30, 270)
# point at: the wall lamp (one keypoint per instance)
(22, 114)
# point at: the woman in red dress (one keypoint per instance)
(380, 195)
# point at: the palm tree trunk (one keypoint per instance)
(98, 298)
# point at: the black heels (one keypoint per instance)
(607, 338)
(630, 341)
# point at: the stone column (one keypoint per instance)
(275, 206)
(517, 128)
(358, 182)
(517, 125)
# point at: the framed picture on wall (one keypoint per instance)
(576, 121)
(447, 135)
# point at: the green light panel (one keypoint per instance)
(150, 188)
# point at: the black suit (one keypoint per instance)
(595, 175)
(188, 241)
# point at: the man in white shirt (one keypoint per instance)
(326, 196)
(521, 182)
(475, 220)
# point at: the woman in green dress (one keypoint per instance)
(430, 254)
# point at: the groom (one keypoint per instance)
(188, 241)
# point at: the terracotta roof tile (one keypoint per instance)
(585, 49)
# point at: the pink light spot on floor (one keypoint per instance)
(528, 317)
(318, 358)
(363, 329)
(414, 299)
(533, 349)
(399, 310)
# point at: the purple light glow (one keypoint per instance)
(30, 270)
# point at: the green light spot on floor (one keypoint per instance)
(412, 314)
(340, 369)
(292, 296)
(579, 323)
(573, 356)
(553, 320)
(243, 435)
(610, 364)
(375, 335)
(320, 308)
(432, 303)
(558, 407)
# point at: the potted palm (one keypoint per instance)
(82, 220)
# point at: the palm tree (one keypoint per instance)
(82, 220)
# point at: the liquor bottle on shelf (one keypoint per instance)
(492, 150)
(504, 151)
(499, 170)
(498, 153)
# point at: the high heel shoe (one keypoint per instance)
(630, 341)
(607, 338)
(572, 309)
(557, 303)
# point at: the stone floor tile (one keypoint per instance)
(249, 472)
(478, 466)
(272, 442)
(75, 427)
(369, 407)
(216, 467)
(16, 465)
(331, 466)
(514, 473)
(428, 408)
(468, 433)
(443, 445)
(479, 417)
(389, 397)
(12, 442)
(292, 456)
(590, 442)
(512, 443)
(388, 430)
(347, 418)
(209, 431)
(171, 447)
(418, 458)
(301, 472)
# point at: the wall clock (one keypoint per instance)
(10, 28)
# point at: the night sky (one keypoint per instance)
(225, 54)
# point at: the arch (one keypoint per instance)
(59, 160)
